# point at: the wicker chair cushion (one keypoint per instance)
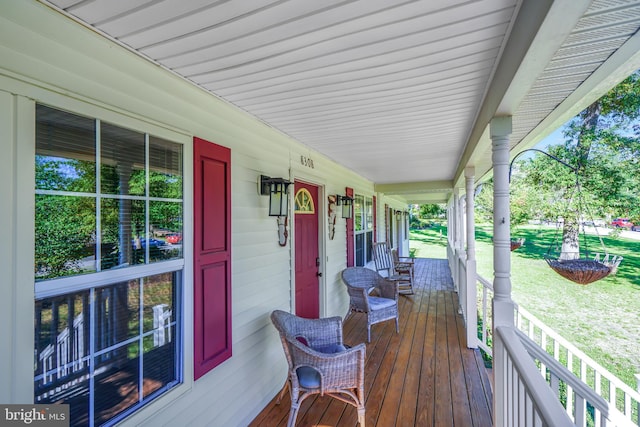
(378, 303)
(308, 377)
(330, 349)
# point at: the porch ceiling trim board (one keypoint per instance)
(618, 66)
(357, 80)
(542, 27)
(600, 51)
(301, 61)
(418, 192)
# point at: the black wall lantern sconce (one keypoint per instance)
(347, 203)
(277, 190)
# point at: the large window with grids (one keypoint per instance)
(363, 228)
(108, 266)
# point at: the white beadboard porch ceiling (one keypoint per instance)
(399, 91)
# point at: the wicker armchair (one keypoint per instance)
(360, 281)
(319, 363)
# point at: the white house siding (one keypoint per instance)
(51, 59)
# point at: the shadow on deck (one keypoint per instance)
(423, 376)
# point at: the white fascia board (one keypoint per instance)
(538, 31)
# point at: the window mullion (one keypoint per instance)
(147, 226)
(98, 203)
(141, 342)
(92, 351)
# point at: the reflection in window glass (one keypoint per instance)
(67, 241)
(116, 392)
(122, 159)
(62, 337)
(117, 310)
(123, 231)
(108, 349)
(130, 363)
(363, 227)
(360, 241)
(358, 209)
(369, 213)
(166, 227)
(159, 296)
(165, 169)
(65, 230)
(65, 151)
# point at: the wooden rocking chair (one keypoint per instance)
(400, 271)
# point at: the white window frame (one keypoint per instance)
(65, 285)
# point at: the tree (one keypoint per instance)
(431, 211)
(601, 150)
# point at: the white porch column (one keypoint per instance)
(503, 307)
(472, 299)
(456, 220)
(457, 243)
(450, 227)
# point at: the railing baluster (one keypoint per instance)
(554, 384)
(597, 381)
(580, 411)
(543, 344)
(569, 389)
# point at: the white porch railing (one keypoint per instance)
(485, 296)
(523, 398)
(620, 397)
(463, 272)
(586, 390)
(584, 406)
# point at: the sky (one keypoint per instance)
(554, 138)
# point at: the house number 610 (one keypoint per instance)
(306, 162)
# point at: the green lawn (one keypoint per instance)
(602, 318)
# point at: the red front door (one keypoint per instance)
(307, 252)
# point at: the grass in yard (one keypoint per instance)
(430, 242)
(602, 318)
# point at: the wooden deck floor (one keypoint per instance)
(423, 376)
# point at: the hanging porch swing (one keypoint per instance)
(581, 270)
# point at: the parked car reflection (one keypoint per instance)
(174, 238)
